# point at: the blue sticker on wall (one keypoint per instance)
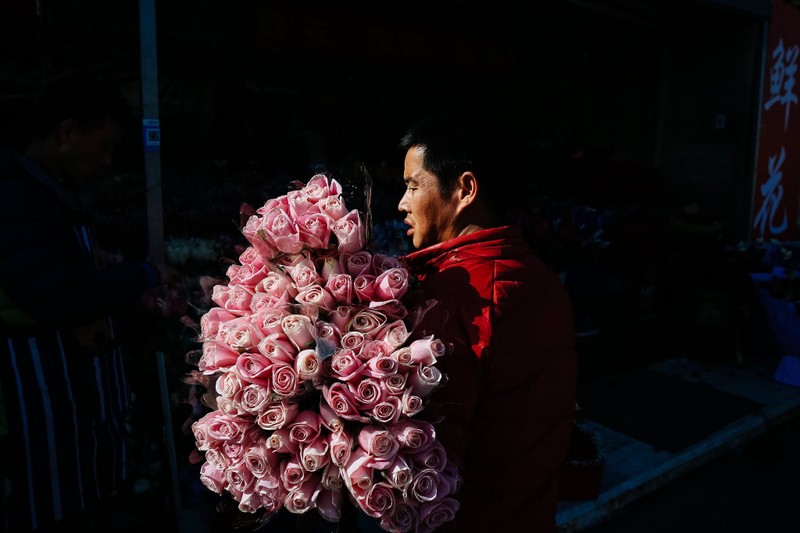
(151, 134)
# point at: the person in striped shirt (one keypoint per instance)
(64, 389)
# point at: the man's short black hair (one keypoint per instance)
(455, 141)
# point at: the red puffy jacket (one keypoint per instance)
(509, 401)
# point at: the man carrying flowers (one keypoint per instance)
(506, 412)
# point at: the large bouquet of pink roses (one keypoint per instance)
(314, 380)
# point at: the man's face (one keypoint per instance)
(431, 216)
(86, 154)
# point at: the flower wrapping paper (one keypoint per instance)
(313, 380)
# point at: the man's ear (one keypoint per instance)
(467, 189)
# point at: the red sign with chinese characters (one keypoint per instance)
(775, 192)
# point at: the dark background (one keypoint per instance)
(640, 120)
(649, 99)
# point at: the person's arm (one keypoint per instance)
(41, 273)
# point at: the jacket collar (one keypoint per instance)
(492, 242)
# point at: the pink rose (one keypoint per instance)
(314, 455)
(402, 519)
(284, 380)
(382, 262)
(301, 499)
(358, 473)
(341, 316)
(399, 473)
(210, 321)
(261, 460)
(299, 203)
(300, 330)
(379, 500)
(342, 402)
(387, 411)
(276, 415)
(332, 477)
(255, 234)
(307, 364)
(433, 514)
(411, 404)
(270, 321)
(432, 456)
(367, 392)
(254, 367)
(345, 365)
(427, 350)
(364, 288)
(394, 384)
(425, 484)
(212, 478)
(413, 434)
(250, 256)
(305, 427)
(374, 349)
(391, 284)
(248, 275)
(381, 366)
(271, 497)
(279, 202)
(354, 341)
(340, 446)
(282, 230)
(303, 272)
(424, 379)
(229, 385)
(218, 460)
(253, 398)
(356, 263)
(320, 187)
(249, 502)
(230, 407)
(341, 287)
(220, 295)
(314, 230)
(222, 427)
(316, 295)
(367, 321)
(216, 356)
(226, 327)
(238, 299)
(277, 348)
(394, 334)
(329, 418)
(262, 302)
(332, 207)
(330, 266)
(202, 440)
(380, 444)
(279, 442)
(292, 472)
(239, 477)
(350, 232)
(243, 337)
(403, 356)
(277, 284)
